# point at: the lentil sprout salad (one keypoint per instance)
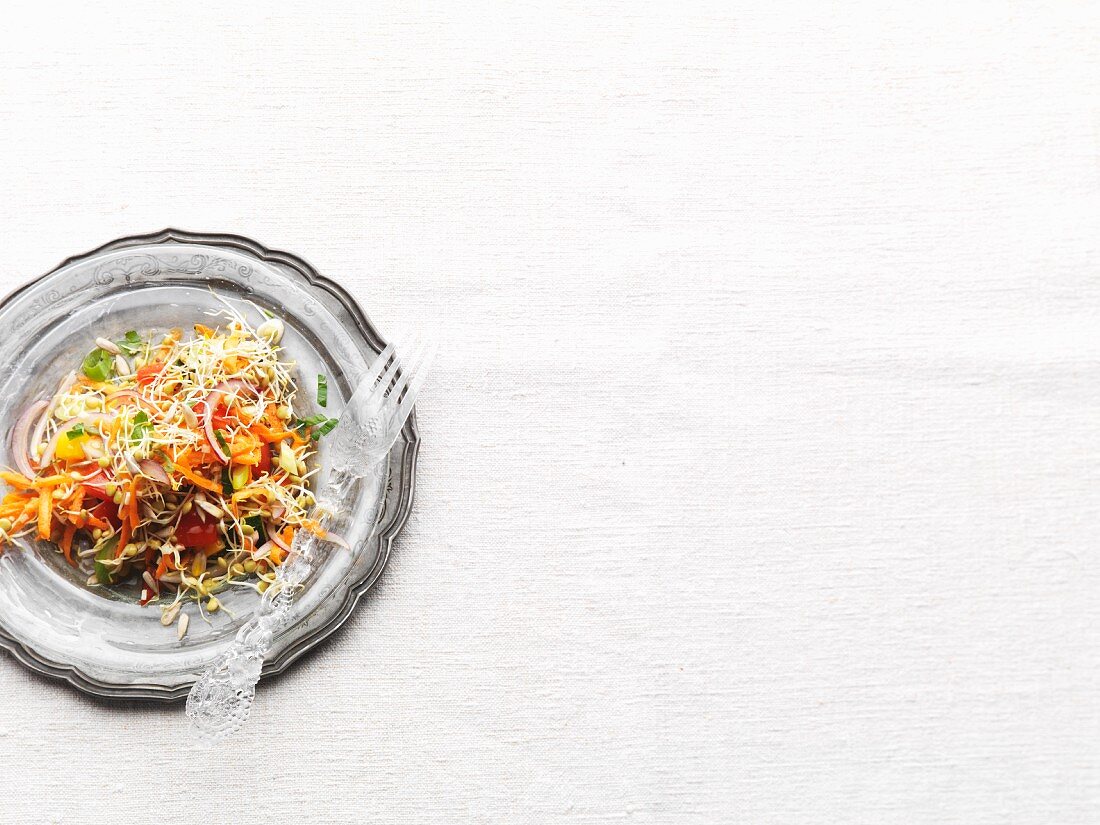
(175, 462)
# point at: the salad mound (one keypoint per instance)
(175, 461)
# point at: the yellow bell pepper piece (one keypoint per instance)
(71, 449)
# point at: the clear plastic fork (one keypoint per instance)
(220, 701)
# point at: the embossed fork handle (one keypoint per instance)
(220, 701)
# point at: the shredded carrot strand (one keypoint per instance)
(45, 522)
(77, 503)
(51, 481)
(16, 480)
(95, 521)
(123, 537)
(67, 543)
(196, 479)
(133, 505)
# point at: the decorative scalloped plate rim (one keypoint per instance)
(288, 656)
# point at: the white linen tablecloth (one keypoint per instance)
(759, 480)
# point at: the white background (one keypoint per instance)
(759, 479)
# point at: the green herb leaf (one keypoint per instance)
(99, 365)
(323, 423)
(304, 424)
(325, 428)
(322, 390)
(142, 425)
(131, 344)
(75, 432)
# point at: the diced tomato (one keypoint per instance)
(148, 373)
(221, 420)
(106, 511)
(197, 530)
(264, 465)
(96, 486)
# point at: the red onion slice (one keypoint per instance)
(153, 470)
(263, 551)
(212, 439)
(209, 405)
(20, 446)
(130, 395)
(275, 539)
(40, 428)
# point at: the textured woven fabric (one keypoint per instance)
(759, 469)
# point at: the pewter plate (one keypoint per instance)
(102, 642)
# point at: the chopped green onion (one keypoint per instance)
(322, 390)
(311, 421)
(131, 344)
(324, 424)
(103, 573)
(325, 428)
(239, 477)
(99, 365)
(75, 432)
(221, 440)
(227, 482)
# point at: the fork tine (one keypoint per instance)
(362, 396)
(416, 377)
(409, 357)
(374, 371)
(381, 388)
(382, 393)
(408, 353)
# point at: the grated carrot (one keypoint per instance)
(16, 480)
(51, 481)
(135, 518)
(77, 503)
(123, 537)
(45, 521)
(95, 521)
(196, 479)
(67, 543)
